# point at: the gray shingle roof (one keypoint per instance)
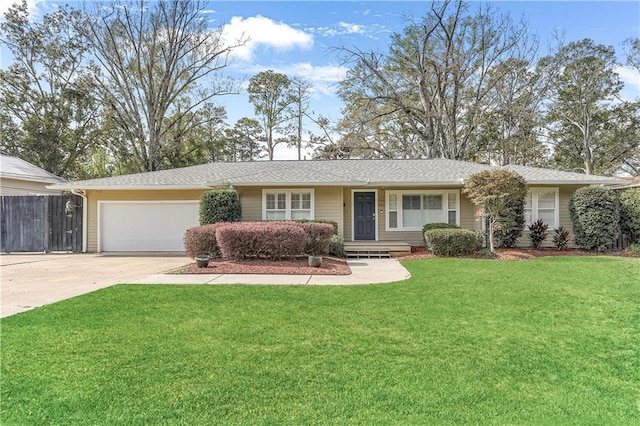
(15, 168)
(325, 173)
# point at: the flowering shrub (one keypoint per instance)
(201, 241)
(269, 240)
(318, 236)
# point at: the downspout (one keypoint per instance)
(85, 214)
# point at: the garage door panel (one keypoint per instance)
(154, 226)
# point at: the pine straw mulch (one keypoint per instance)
(516, 253)
(298, 266)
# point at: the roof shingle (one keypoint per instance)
(326, 173)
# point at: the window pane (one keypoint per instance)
(548, 217)
(452, 200)
(393, 219)
(431, 216)
(282, 201)
(276, 215)
(393, 202)
(306, 200)
(433, 202)
(410, 202)
(271, 201)
(452, 217)
(295, 201)
(412, 218)
(546, 200)
(527, 216)
(528, 200)
(300, 214)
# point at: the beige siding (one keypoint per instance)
(94, 196)
(565, 194)
(251, 202)
(10, 186)
(468, 218)
(329, 205)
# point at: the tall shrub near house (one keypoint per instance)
(509, 227)
(595, 213)
(496, 192)
(220, 205)
(630, 214)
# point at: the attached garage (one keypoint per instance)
(130, 226)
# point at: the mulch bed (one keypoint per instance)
(516, 253)
(329, 266)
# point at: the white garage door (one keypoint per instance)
(145, 226)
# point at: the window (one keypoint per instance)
(542, 203)
(287, 204)
(411, 210)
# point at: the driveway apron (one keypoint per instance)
(33, 280)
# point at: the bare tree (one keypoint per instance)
(161, 64)
(434, 78)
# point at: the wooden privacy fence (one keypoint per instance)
(41, 223)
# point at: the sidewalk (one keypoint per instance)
(363, 271)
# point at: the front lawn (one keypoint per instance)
(545, 341)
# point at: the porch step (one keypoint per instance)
(368, 254)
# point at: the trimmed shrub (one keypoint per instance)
(336, 246)
(317, 237)
(630, 213)
(561, 238)
(201, 240)
(220, 205)
(633, 250)
(595, 213)
(267, 240)
(451, 242)
(437, 225)
(537, 233)
(330, 222)
(509, 227)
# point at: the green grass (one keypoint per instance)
(545, 341)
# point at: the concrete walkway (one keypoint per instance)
(363, 271)
(32, 280)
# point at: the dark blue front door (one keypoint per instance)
(364, 211)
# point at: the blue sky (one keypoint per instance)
(299, 37)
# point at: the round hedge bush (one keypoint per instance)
(220, 205)
(451, 242)
(630, 213)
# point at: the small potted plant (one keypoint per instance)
(317, 244)
(202, 261)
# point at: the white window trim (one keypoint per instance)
(445, 207)
(534, 204)
(288, 193)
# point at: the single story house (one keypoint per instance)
(373, 201)
(19, 177)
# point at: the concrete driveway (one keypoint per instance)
(33, 280)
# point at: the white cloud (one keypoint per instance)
(323, 78)
(351, 28)
(261, 31)
(631, 78)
